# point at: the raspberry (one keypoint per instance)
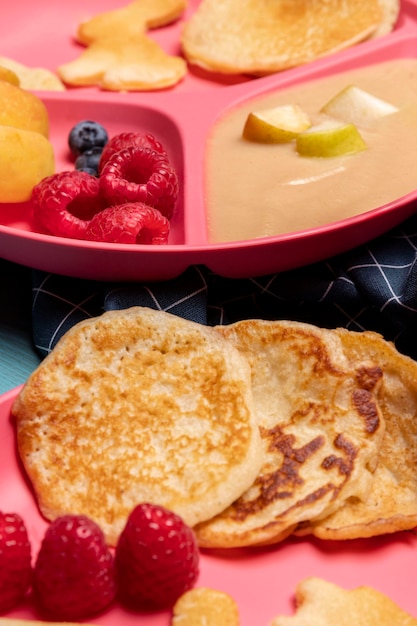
(15, 561)
(86, 135)
(124, 140)
(157, 558)
(74, 571)
(129, 223)
(64, 203)
(139, 174)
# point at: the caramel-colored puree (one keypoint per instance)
(256, 190)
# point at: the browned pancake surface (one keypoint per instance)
(264, 36)
(320, 426)
(138, 405)
(392, 502)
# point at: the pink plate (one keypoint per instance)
(41, 34)
(262, 581)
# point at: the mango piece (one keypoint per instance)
(22, 109)
(9, 76)
(26, 157)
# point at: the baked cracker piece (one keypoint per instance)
(203, 606)
(120, 63)
(321, 603)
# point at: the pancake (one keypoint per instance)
(266, 36)
(320, 427)
(392, 503)
(138, 405)
(321, 603)
(390, 13)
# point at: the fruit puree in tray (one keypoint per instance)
(183, 118)
(261, 580)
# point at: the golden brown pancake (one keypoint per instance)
(392, 502)
(320, 426)
(138, 405)
(266, 36)
(321, 603)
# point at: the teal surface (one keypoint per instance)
(18, 357)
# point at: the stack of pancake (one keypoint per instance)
(252, 432)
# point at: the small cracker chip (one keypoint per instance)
(136, 17)
(119, 54)
(33, 78)
(205, 607)
(117, 63)
(320, 603)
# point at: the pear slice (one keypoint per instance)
(277, 125)
(329, 139)
(357, 106)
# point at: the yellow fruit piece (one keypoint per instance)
(356, 106)
(22, 109)
(25, 158)
(277, 125)
(9, 76)
(330, 139)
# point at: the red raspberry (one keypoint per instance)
(64, 203)
(15, 561)
(74, 571)
(133, 222)
(157, 558)
(139, 174)
(124, 140)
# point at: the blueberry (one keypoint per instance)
(87, 135)
(88, 161)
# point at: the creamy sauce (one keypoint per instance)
(256, 190)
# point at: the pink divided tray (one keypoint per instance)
(181, 117)
(262, 581)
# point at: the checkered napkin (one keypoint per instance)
(373, 287)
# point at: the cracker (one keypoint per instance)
(321, 603)
(134, 18)
(33, 78)
(119, 55)
(117, 63)
(205, 607)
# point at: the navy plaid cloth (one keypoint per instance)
(373, 287)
